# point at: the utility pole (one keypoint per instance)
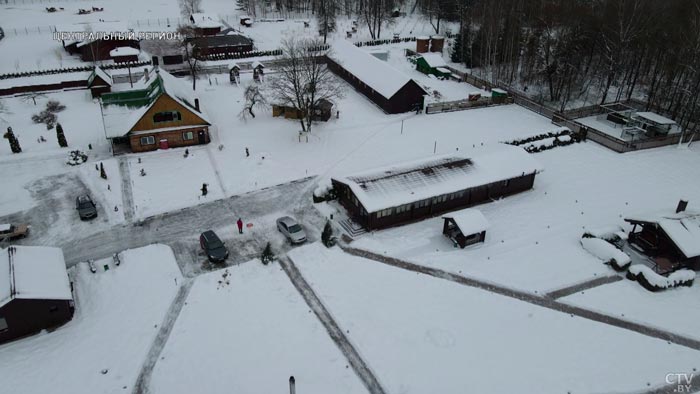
(292, 385)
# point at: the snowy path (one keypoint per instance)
(144, 378)
(127, 193)
(545, 302)
(359, 365)
(589, 284)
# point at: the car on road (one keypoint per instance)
(213, 247)
(86, 208)
(13, 231)
(291, 229)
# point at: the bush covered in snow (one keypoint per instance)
(652, 281)
(324, 192)
(607, 252)
(76, 157)
(546, 141)
(612, 234)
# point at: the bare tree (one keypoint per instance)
(189, 7)
(189, 51)
(326, 15)
(254, 98)
(376, 13)
(302, 80)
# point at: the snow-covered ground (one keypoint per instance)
(118, 313)
(533, 242)
(421, 334)
(245, 329)
(673, 310)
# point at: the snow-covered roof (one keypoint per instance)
(257, 64)
(470, 221)
(655, 118)
(33, 272)
(418, 180)
(5, 227)
(120, 119)
(497, 90)
(205, 21)
(377, 74)
(124, 51)
(682, 228)
(434, 59)
(102, 74)
(234, 65)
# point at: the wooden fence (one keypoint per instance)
(462, 105)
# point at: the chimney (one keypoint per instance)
(682, 204)
(292, 385)
(145, 74)
(196, 104)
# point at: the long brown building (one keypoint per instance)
(424, 188)
(390, 89)
(35, 292)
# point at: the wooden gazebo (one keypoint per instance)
(465, 227)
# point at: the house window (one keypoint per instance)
(167, 116)
(149, 140)
(188, 135)
(384, 212)
(3, 324)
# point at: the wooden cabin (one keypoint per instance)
(390, 89)
(670, 239)
(205, 24)
(158, 114)
(412, 191)
(322, 111)
(465, 227)
(35, 291)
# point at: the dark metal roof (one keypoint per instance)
(221, 41)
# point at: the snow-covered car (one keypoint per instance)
(13, 231)
(86, 208)
(291, 230)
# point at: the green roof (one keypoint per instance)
(136, 97)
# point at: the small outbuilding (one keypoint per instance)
(35, 292)
(498, 96)
(670, 239)
(258, 71)
(654, 124)
(465, 227)
(205, 24)
(234, 73)
(124, 54)
(322, 111)
(433, 63)
(99, 82)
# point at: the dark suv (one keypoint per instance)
(86, 208)
(213, 247)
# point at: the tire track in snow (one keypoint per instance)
(359, 365)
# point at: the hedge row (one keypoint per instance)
(652, 281)
(573, 139)
(72, 70)
(538, 137)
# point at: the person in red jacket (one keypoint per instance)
(240, 226)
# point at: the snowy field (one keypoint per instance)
(533, 241)
(118, 313)
(248, 332)
(421, 334)
(674, 310)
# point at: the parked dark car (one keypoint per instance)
(86, 208)
(213, 247)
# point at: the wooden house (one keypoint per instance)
(35, 292)
(101, 38)
(670, 239)
(387, 87)
(424, 188)
(205, 24)
(465, 227)
(159, 113)
(99, 82)
(433, 63)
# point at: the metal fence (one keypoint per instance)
(462, 105)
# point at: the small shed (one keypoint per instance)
(124, 54)
(465, 227)
(653, 123)
(234, 72)
(246, 21)
(433, 63)
(258, 71)
(498, 96)
(422, 44)
(99, 82)
(322, 111)
(35, 291)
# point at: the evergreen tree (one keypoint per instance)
(103, 174)
(327, 234)
(267, 255)
(14, 143)
(61, 137)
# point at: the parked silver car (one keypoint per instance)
(291, 229)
